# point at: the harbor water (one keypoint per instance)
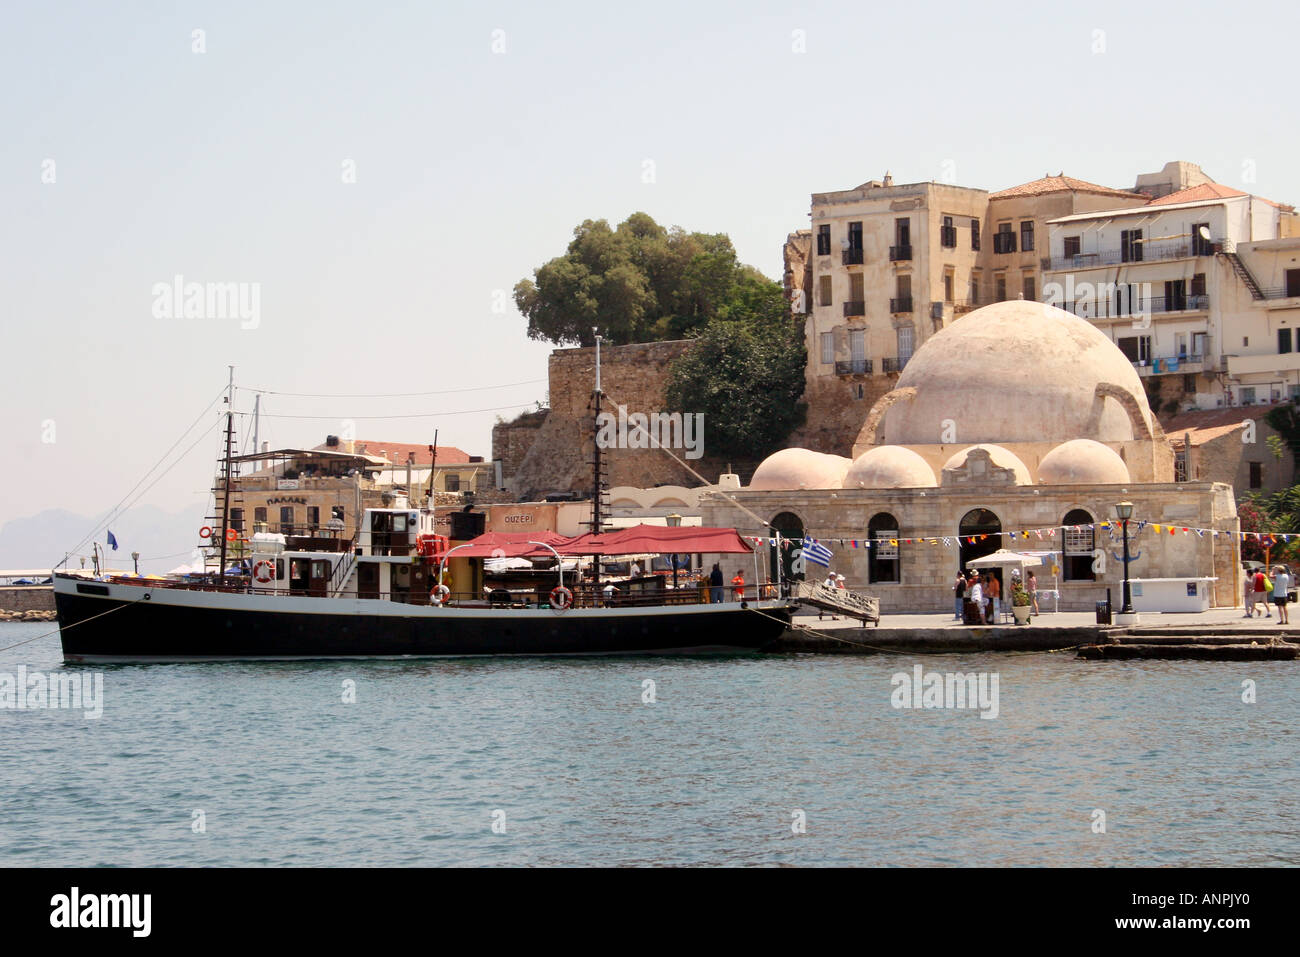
(798, 760)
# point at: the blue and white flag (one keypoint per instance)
(112, 541)
(817, 553)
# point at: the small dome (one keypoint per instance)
(1082, 462)
(1003, 458)
(799, 468)
(889, 466)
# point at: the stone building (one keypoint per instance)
(1017, 417)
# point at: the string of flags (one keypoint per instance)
(817, 550)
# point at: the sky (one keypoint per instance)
(377, 176)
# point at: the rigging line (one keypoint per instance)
(731, 498)
(388, 395)
(115, 510)
(413, 415)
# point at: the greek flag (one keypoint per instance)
(817, 553)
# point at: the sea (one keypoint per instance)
(784, 761)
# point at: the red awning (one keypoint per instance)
(637, 540)
(510, 545)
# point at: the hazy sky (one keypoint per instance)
(481, 134)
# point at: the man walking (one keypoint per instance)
(1261, 591)
(977, 596)
(1281, 588)
(995, 597)
(959, 594)
(715, 584)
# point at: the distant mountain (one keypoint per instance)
(163, 539)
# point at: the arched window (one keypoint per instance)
(1077, 543)
(981, 534)
(882, 565)
(789, 526)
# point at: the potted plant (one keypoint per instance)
(1020, 603)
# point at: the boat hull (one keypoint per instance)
(132, 623)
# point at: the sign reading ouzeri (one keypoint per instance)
(655, 430)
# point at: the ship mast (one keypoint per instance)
(225, 474)
(597, 472)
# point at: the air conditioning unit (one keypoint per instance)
(936, 310)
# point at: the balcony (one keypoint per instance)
(901, 304)
(1172, 365)
(851, 257)
(1146, 253)
(1115, 309)
(855, 307)
(853, 367)
(898, 254)
(894, 365)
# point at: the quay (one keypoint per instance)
(1219, 634)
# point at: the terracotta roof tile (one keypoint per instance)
(396, 452)
(1209, 424)
(1058, 184)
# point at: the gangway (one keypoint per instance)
(838, 601)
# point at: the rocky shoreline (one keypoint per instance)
(27, 615)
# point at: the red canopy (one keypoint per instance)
(637, 540)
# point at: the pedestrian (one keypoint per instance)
(635, 570)
(738, 584)
(959, 594)
(1033, 591)
(839, 582)
(977, 596)
(715, 584)
(830, 580)
(1281, 590)
(1261, 590)
(1248, 591)
(995, 597)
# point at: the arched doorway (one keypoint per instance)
(882, 564)
(790, 526)
(985, 528)
(1078, 539)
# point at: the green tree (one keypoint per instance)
(639, 282)
(745, 373)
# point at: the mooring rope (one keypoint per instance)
(74, 624)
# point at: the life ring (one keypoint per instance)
(231, 534)
(439, 594)
(258, 569)
(205, 531)
(561, 597)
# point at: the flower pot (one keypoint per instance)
(1021, 613)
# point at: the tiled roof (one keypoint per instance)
(1210, 424)
(1208, 191)
(396, 452)
(1057, 184)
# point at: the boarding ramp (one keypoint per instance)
(838, 601)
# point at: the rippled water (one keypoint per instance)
(711, 773)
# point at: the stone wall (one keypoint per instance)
(27, 598)
(557, 446)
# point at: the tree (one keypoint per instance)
(638, 282)
(745, 373)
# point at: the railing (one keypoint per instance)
(1142, 252)
(853, 367)
(855, 307)
(1112, 309)
(851, 257)
(900, 254)
(342, 569)
(1279, 292)
(1165, 365)
(963, 306)
(893, 365)
(901, 304)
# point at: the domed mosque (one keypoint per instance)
(1016, 418)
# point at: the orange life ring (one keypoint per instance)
(231, 534)
(439, 594)
(264, 564)
(561, 597)
(205, 531)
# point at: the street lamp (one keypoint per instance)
(135, 557)
(1124, 511)
(674, 521)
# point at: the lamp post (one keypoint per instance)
(135, 557)
(674, 521)
(1124, 511)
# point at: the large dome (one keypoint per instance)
(1015, 372)
(799, 468)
